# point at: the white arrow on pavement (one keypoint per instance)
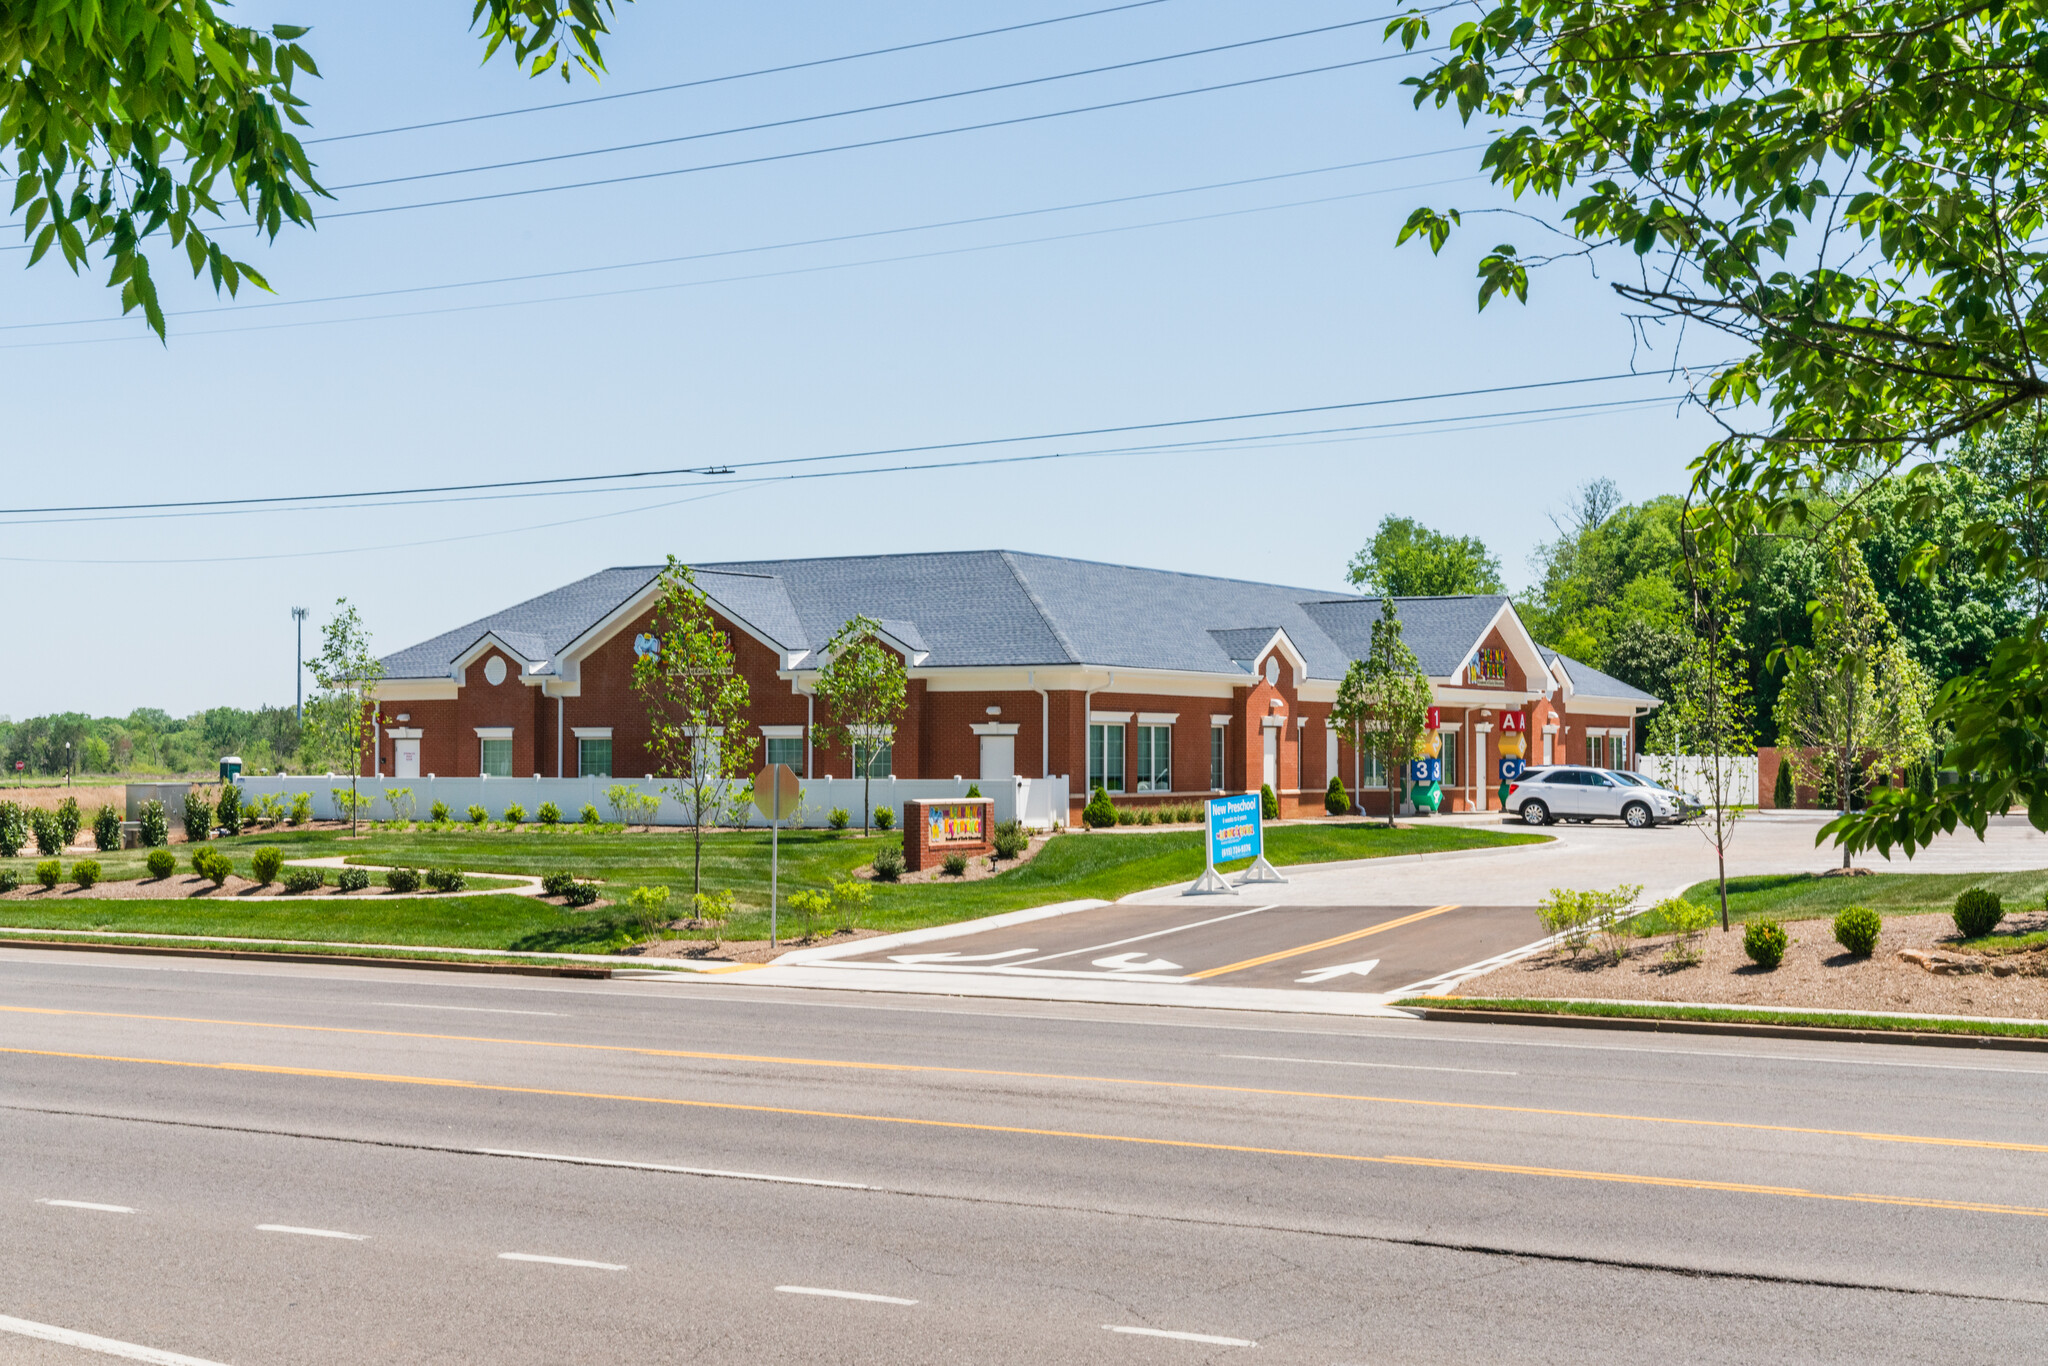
(1341, 970)
(956, 957)
(1128, 962)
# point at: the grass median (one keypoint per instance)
(1809, 1019)
(1809, 896)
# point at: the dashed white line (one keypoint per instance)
(313, 1232)
(841, 1294)
(681, 1171)
(1349, 1062)
(470, 1010)
(67, 1337)
(1209, 1338)
(87, 1204)
(557, 1261)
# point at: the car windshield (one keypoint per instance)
(1629, 778)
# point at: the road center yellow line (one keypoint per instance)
(1391, 1160)
(774, 1060)
(1322, 943)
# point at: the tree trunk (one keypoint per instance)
(867, 793)
(697, 858)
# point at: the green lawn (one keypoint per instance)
(1070, 867)
(1823, 1019)
(1807, 896)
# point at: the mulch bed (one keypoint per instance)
(980, 867)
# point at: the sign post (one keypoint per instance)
(776, 790)
(1236, 829)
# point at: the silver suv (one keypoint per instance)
(1572, 792)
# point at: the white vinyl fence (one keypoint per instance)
(1039, 802)
(1693, 775)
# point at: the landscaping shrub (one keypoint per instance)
(404, 806)
(648, 907)
(211, 864)
(550, 814)
(839, 819)
(590, 816)
(1011, 839)
(1575, 917)
(514, 814)
(156, 826)
(447, 879)
(1857, 928)
(69, 820)
(13, 829)
(850, 899)
(1336, 800)
(264, 864)
(1781, 791)
(438, 813)
(810, 905)
(1126, 816)
(1269, 805)
(1686, 921)
(49, 838)
(558, 884)
(302, 808)
(228, 815)
(161, 863)
(1100, 813)
(973, 790)
(106, 830)
(198, 818)
(86, 872)
(477, 815)
(954, 865)
(352, 879)
(888, 863)
(714, 908)
(9, 880)
(885, 817)
(49, 872)
(402, 879)
(580, 894)
(1765, 943)
(299, 881)
(1978, 912)
(1147, 816)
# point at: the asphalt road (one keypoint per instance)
(1035, 1179)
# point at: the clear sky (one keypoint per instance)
(942, 335)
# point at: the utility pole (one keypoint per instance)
(299, 668)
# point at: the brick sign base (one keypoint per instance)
(964, 825)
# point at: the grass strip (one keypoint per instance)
(1805, 1019)
(289, 947)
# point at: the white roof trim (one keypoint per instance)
(987, 728)
(591, 732)
(782, 732)
(1281, 642)
(1219, 720)
(1519, 642)
(1158, 718)
(1109, 718)
(494, 732)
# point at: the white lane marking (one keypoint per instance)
(472, 1010)
(87, 1204)
(681, 1171)
(1154, 934)
(1348, 1062)
(1337, 970)
(1209, 1338)
(954, 956)
(557, 1261)
(841, 1294)
(104, 1346)
(1129, 962)
(312, 1232)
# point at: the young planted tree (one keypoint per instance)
(341, 720)
(696, 707)
(1854, 696)
(864, 688)
(1383, 702)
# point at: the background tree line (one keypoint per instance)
(149, 741)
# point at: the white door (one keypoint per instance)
(998, 756)
(1273, 757)
(405, 758)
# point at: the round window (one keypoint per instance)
(1273, 670)
(494, 670)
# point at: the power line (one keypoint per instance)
(850, 113)
(733, 76)
(562, 481)
(772, 246)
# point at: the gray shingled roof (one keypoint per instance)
(1589, 680)
(548, 622)
(1441, 631)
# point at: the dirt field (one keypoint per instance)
(90, 799)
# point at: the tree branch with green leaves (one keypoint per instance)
(865, 688)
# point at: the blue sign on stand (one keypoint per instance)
(1422, 771)
(1511, 769)
(1235, 828)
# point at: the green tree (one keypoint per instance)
(1383, 701)
(864, 688)
(697, 702)
(1408, 560)
(1608, 588)
(132, 117)
(341, 719)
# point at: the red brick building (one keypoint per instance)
(1157, 686)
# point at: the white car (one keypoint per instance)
(1572, 792)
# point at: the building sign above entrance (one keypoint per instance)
(1489, 667)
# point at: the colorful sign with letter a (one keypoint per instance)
(1235, 830)
(954, 824)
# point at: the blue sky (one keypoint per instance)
(827, 349)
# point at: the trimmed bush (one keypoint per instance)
(1781, 791)
(9, 880)
(954, 865)
(86, 872)
(49, 872)
(1126, 816)
(839, 819)
(106, 830)
(888, 863)
(302, 808)
(263, 865)
(49, 838)
(198, 818)
(558, 884)
(69, 819)
(402, 879)
(580, 893)
(438, 813)
(1100, 813)
(353, 879)
(1857, 928)
(1269, 805)
(590, 816)
(13, 829)
(515, 814)
(1765, 942)
(299, 881)
(885, 817)
(1978, 912)
(211, 864)
(1011, 839)
(1336, 800)
(156, 826)
(1147, 816)
(447, 879)
(228, 815)
(161, 863)
(477, 815)
(973, 790)
(550, 814)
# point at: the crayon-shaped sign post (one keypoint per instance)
(1236, 830)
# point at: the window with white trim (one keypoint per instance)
(1219, 737)
(786, 749)
(1450, 756)
(496, 760)
(593, 756)
(873, 761)
(1155, 758)
(1106, 758)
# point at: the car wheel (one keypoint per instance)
(1638, 816)
(1535, 813)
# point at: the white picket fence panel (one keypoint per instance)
(1039, 802)
(1693, 775)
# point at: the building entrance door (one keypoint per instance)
(1272, 766)
(998, 757)
(405, 756)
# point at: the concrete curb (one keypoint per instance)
(1732, 1028)
(332, 959)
